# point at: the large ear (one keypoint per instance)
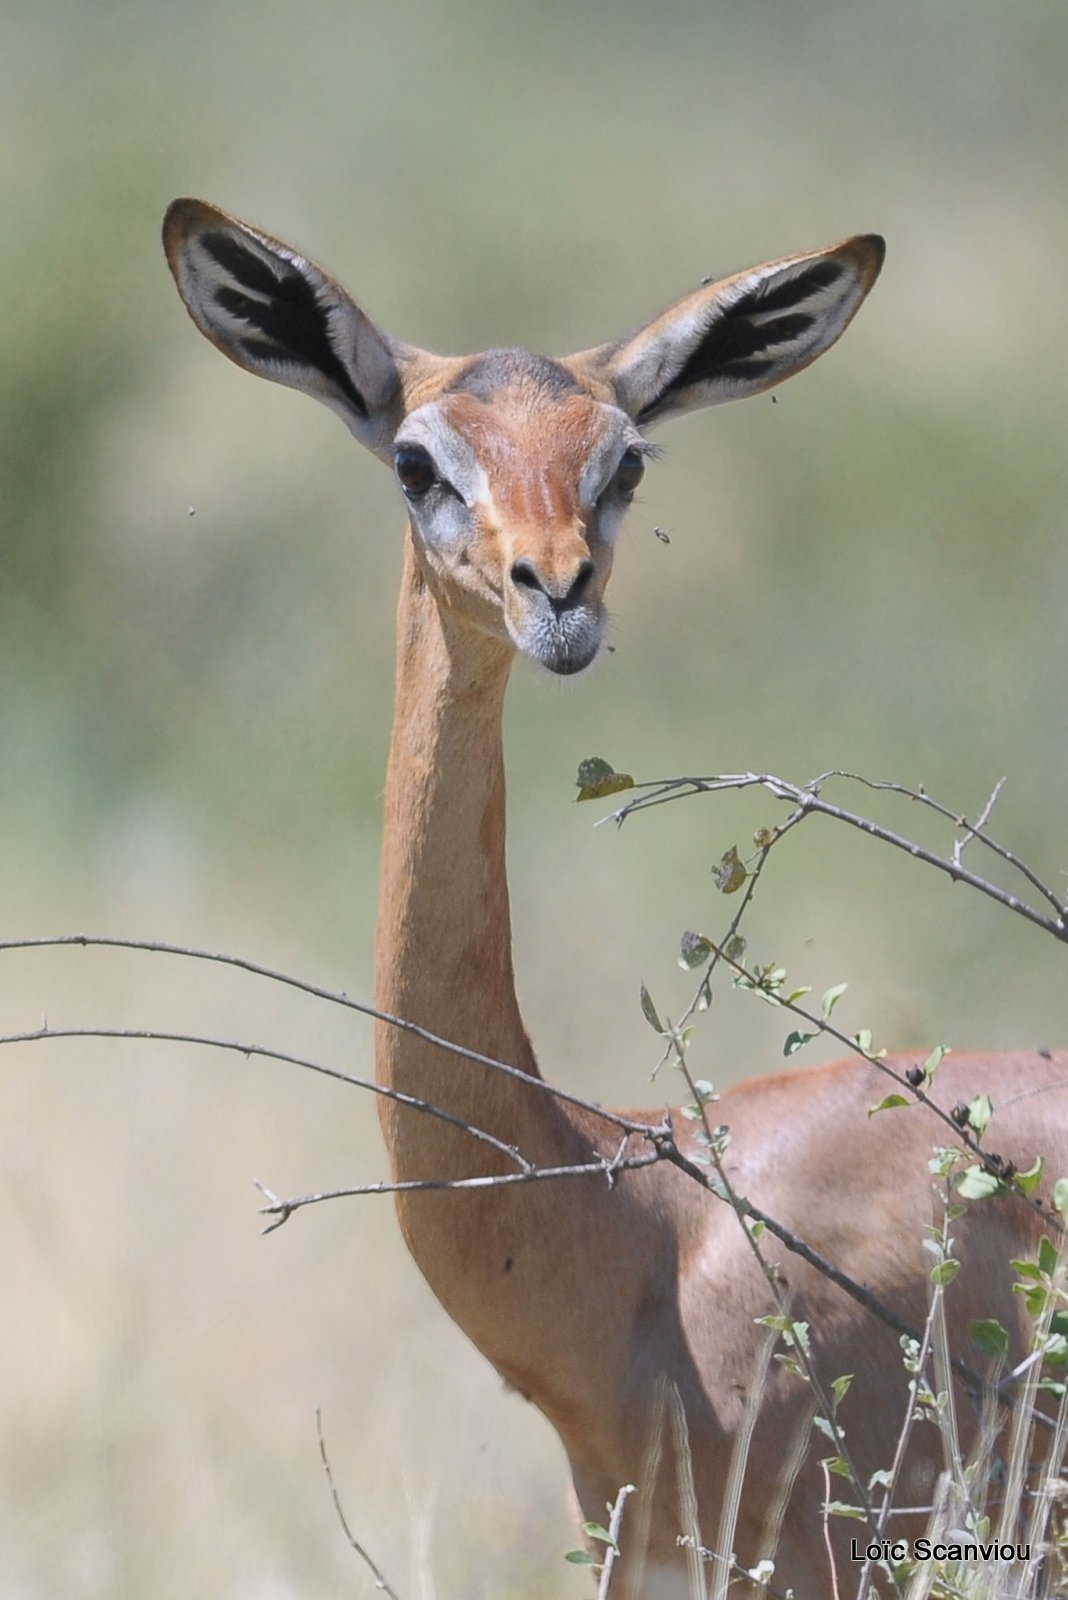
(741, 335)
(281, 317)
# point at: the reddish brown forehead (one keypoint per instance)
(533, 447)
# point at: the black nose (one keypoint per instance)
(562, 596)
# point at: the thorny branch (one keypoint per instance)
(335, 997)
(776, 1289)
(703, 988)
(282, 1210)
(157, 1036)
(989, 1162)
(808, 800)
(659, 1137)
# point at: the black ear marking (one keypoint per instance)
(795, 291)
(739, 344)
(732, 348)
(240, 262)
(294, 324)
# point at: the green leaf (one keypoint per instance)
(795, 1040)
(649, 1012)
(990, 1337)
(729, 874)
(581, 1558)
(838, 1508)
(976, 1183)
(797, 1334)
(1047, 1256)
(704, 994)
(1057, 1351)
(597, 778)
(979, 1114)
(824, 1427)
(840, 1388)
(734, 949)
(934, 1060)
(1029, 1181)
(862, 1040)
(945, 1272)
(1035, 1299)
(694, 951)
(1060, 1196)
(597, 1530)
(831, 998)
(889, 1103)
(943, 1161)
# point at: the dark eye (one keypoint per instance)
(416, 473)
(630, 472)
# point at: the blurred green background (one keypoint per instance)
(197, 579)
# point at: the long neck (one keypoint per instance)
(444, 958)
(496, 1257)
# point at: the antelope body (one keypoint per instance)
(625, 1313)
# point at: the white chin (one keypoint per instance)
(564, 645)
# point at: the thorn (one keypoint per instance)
(281, 1210)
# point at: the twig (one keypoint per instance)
(975, 830)
(802, 1354)
(827, 1528)
(894, 1471)
(282, 1210)
(799, 1247)
(661, 1136)
(735, 1568)
(752, 879)
(380, 1581)
(333, 996)
(612, 1548)
(823, 1025)
(156, 1036)
(809, 801)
